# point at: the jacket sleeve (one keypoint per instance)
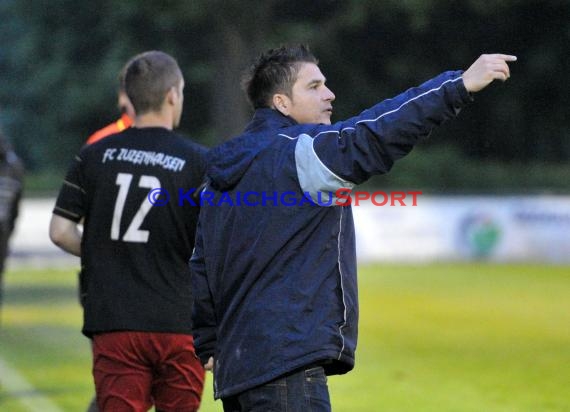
(350, 152)
(203, 315)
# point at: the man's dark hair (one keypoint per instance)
(275, 71)
(148, 77)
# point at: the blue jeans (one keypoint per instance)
(301, 391)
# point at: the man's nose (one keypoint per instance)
(329, 95)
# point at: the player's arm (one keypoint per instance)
(69, 210)
(352, 151)
(65, 234)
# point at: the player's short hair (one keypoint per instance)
(148, 77)
(275, 71)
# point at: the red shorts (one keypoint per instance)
(134, 370)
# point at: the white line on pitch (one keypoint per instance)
(13, 383)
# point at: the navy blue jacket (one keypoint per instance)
(274, 265)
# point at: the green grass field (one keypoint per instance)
(457, 338)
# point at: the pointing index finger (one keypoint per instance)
(508, 57)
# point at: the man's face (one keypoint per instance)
(311, 101)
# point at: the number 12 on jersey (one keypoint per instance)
(133, 233)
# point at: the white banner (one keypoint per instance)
(450, 228)
(442, 228)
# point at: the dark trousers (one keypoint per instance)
(302, 391)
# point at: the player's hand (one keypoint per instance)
(210, 365)
(487, 67)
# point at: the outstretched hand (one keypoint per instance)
(487, 67)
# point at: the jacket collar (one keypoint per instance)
(268, 119)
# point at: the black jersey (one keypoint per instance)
(134, 191)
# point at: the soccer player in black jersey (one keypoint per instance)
(133, 192)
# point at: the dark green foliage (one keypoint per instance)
(59, 61)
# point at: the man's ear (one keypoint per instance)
(282, 103)
(172, 96)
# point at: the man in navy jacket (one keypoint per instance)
(274, 265)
